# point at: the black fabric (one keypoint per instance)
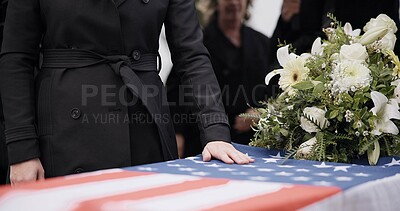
(3, 147)
(240, 73)
(145, 141)
(241, 78)
(78, 111)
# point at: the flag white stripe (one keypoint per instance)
(198, 199)
(68, 197)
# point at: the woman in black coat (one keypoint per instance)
(98, 101)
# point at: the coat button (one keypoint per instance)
(136, 55)
(75, 113)
(78, 170)
(145, 1)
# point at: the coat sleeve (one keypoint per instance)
(19, 55)
(192, 64)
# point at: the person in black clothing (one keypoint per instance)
(51, 123)
(3, 148)
(239, 56)
(299, 24)
(359, 12)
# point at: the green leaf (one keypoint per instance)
(385, 73)
(284, 132)
(318, 89)
(304, 85)
(381, 86)
(333, 114)
(320, 78)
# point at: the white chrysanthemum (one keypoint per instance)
(350, 76)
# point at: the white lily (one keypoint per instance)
(283, 58)
(317, 47)
(396, 90)
(373, 35)
(384, 110)
(305, 148)
(348, 29)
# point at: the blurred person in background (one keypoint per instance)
(299, 24)
(3, 148)
(239, 56)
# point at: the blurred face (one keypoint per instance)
(232, 9)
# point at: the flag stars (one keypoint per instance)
(259, 178)
(265, 170)
(285, 166)
(322, 174)
(393, 163)
(341, 168)
(361, 175)
(249, 166)
(270, 160)
(175, 165)
(322, 166)
(301, 179)
(200, 173)
(147, 169)
(187, 169)
(241, 173)
(199, 162)
(277, 156)
(213, 165)
(226, 169)
(192, 158)
(285, 174)
(322, 183)
(249, 156)
(344, 179)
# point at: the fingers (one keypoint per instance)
(240, 158)
(17, 178)
(225, 152)
(206, 155)
(40, 175)
(226, 159)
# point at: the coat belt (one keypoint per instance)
(78, 58)
(124, 66)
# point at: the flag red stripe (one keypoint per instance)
(65, 181)
(170, 189)
(291, 198)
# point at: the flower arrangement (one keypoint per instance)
(338, 102)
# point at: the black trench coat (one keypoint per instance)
(59, 119)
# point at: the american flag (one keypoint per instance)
(191, 184)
